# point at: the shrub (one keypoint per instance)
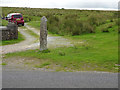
(111, 20)
(69, 26)
(116, 21)
(27, 18)
(93, 20)
(110, 26)
(71, 16)
(104, 30)
(46, 51)
(87, 28)
(61, 53)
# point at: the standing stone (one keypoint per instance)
(43, 34)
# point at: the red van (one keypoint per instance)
(16, 18)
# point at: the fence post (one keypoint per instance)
(43, 34)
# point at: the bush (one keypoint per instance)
(104, 30)
(61, 53)
(87, 28)
(97, 19)
(46, 51)
(110, 25)
(27, 18)
(111, 21)
(53, 25)
(69, 26)
(66, 22)
(93, 20)
(71, 16)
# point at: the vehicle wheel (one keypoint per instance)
(22, 24)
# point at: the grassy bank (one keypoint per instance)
(7, 42)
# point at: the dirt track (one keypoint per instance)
(28, 43)
(24, 45)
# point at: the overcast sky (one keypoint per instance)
(68, 4)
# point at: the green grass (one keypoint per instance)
(3, 64)
(35, 24)
(42, 65)
(95, 47)
(109, 26)
(31, 33)
(7, 42)
(91, 52)
(4, 22)
(99, 52)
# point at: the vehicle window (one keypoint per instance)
(8, 16)
(17, 16)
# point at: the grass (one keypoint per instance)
(4, 22)
(106, 26)
(93, 33)
(3, 64)
(42, 65)
(7, 42)
(95, 54)
(31, 33)
(35, 24)
(91, 52)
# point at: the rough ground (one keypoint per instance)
(53, 41)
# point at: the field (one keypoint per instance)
(94, 35)
(67, 22)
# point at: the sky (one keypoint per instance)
(67, 4)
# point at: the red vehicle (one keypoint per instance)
(16, 18)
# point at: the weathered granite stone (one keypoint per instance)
(43, 34)
(14, 30)
(9, 32)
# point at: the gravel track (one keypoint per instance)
(28, 43)
(53, 41)
(24, 45)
